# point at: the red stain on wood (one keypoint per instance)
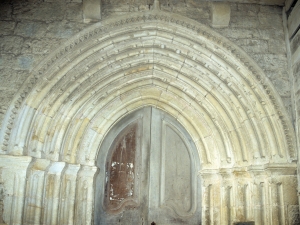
(121, 169)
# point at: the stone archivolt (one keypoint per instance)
(115, 67)
(152, 59)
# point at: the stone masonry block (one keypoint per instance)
(274, 21)
(74, 12)
(91, 10)
(7, 61)
(12, 79)
(254, 8)
(270, 9)
(277, 46)
(288, 105)
(237, 33)
(42, 11)
(249, 22)
(201, 14)
(60, 30)
(220, 14)
(252, 45)
(5, 97)
(40, 46)
(282, 85)
(5, 11)
(25, 62)
(271, 61)
(31, 29)
(11, 44)
(7, 27)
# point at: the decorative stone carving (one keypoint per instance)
(241, 196)
(214, 90)
(192, 66)
(12, 179)
(52, 192)
(67, 195)
(33, 206)
(84, 195)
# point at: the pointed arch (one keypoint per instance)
(217, 92)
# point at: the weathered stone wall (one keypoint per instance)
(292, 20)
(30, 30)
(257, 29)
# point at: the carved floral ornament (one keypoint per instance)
(207, 83)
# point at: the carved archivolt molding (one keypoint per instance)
(217, 92)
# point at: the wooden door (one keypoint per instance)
(148, 168)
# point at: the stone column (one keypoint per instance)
(85, 195)
(211, 199)
(52, 188)
(227, 196)
(12, 182)
(67, 195)
(34, 192)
